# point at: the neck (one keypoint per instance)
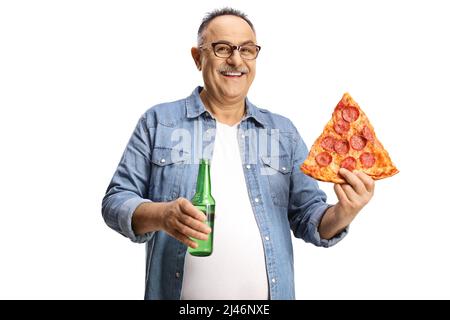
(228, 113)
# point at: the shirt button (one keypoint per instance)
(273, 280)
(267, 238)
(256, 200)
(163, 160)
(284, 168)
(177, 274)
(248, 166)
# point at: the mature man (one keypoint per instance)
(260, 195)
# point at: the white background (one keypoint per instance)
(76, 75)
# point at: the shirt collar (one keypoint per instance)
(195, 107)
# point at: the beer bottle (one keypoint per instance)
(204, 201)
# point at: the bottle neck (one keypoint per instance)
(203, 179)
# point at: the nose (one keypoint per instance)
(235, 58)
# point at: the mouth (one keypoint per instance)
(232, 74)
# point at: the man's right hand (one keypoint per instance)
(179, 218)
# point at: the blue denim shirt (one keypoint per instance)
(160, 163)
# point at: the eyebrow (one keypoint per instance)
(242, 43)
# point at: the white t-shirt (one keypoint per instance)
(236, 269)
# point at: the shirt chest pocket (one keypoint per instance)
(166, 173)
(277, 171)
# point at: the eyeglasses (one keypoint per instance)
(225, 50)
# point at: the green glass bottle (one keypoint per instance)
(204, 201)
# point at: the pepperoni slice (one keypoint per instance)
(367, 159)
(341, 126)
(323, 159)
(349, 163)
(367, 133)
(328, 143)
(350, 114)
(358, 142)
(341, 147)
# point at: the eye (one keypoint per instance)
(222, 48)
(248, 50)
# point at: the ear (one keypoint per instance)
(195, 52)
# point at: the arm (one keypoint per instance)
(126, 210)
(128, 188)
(307, 204)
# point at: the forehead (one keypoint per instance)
(229, 28)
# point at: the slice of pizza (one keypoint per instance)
(348, 141)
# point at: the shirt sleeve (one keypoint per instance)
(129, 184)
(307, 203)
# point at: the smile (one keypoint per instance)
(233, 74)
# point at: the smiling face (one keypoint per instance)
(227, 80)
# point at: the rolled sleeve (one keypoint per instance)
(125, 216)
(129, 185)
(313, 229)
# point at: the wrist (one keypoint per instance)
(341, 220)
(148, 217)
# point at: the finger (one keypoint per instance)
(368, 182)
(350, 192)
(194, 224)
(342, 197)
(353, 180)
(189, 232)
(188, 208)
(186, 240)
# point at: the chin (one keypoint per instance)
(234, 94)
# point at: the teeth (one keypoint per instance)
(232, 73)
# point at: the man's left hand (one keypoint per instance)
(353, 195)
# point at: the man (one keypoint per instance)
(260, 197)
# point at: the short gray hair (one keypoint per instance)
(227, 11)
